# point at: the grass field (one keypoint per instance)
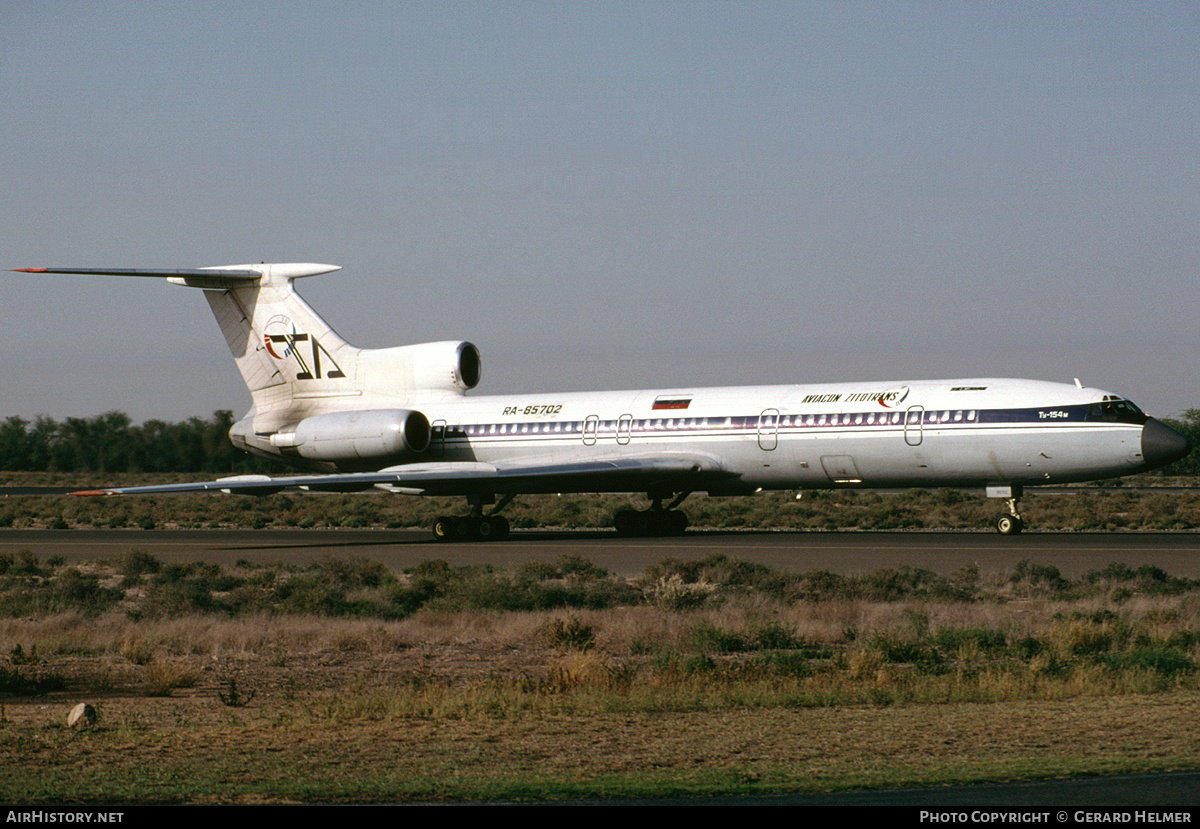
(345, 682)
(276, 755)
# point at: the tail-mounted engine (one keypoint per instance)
(451, 366)
(445, 365)
(391, 435)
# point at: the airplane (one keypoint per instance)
(400, 419)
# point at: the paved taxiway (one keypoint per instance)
(852, 552)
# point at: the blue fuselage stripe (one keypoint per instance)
(872, 421)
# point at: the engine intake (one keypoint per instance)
(445, 365)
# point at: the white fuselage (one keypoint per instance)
(965, 432)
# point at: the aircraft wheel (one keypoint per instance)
(489, 528)
(629, 522)
(677, 521)
(500, 527)
(1009, 525)
(482, 529)
(473, 529)
(658, 523)
(445, 528)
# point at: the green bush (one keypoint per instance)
(951, 639)
(12, 683)
(710, 638)
(138, 563)
(1164, 661)
(572, 634)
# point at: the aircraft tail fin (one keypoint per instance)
(276, 338)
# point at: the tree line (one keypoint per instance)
(1189, 426)
(111, 442)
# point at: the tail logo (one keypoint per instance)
(280, 335)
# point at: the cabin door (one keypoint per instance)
(624, 429)
(591, 427)
(912, 425)
(437, 438)
(768, 429)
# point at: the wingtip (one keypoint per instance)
(89, 493)
(29, 270)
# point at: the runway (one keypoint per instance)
(1074, 554)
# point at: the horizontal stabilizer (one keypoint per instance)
(226, 273)
(219, 277)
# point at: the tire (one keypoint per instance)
(677, 522)
(1009, 525)
(500, 528)
(661, 523)
(628, 522)
(445, 528)
(471, 529)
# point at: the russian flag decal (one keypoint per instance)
(671, 402)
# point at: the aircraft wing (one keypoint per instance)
(674, 472)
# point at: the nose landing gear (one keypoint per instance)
(1010, 524)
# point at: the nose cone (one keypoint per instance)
(1162, 445)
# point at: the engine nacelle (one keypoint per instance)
(446, 365)
(451, 366)
(381, 434)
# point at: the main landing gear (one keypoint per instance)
(1010, 524)
(476, 526)
(470, 528)
(656, 521)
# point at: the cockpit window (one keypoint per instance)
(1116, 411)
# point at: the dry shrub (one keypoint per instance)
(570, 633)
(162, 677)
(863, 661)
(637, 629)
(97, 679)
(507, 629)
(673, 593)
(367, 637)
(580, 670)
(825, 622)
(1081, 637)
(137, 650)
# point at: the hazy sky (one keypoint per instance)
(607, 195)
